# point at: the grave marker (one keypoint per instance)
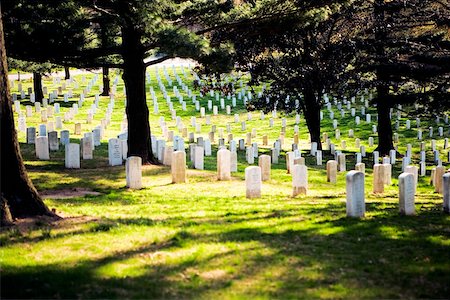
(355, 204)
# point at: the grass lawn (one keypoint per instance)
(204, 239)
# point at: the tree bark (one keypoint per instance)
(37, 83)
(66, 72)
(311, 109)
(139, 142)
(19, 196)
(105, 81)
(385, 143)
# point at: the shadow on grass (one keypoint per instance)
(389, 256)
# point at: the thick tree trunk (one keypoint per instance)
(37, 83)
(385, 143)
(19, 196)
(67, 73)
(105, 81)
(311, 109)
(137, 110)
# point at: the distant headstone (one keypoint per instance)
(53, 140)
(88, 146)
(31, 135)
(378, 178)
(438, 184)
(265, 164)
(360, 167)
(332, 171)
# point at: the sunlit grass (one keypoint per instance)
(204, 239)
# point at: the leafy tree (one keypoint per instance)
(406, 45)
(38, 69)
(138, 29)
(300, 48)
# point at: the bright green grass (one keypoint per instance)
(204, 239)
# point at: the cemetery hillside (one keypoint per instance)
(225, 150)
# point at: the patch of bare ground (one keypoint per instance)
(56, 222)
(67, 193)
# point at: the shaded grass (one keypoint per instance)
(204, 239)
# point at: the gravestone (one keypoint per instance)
(223, 164)
(446, 192)
(264, 163)
(53, 141)
(208, 151)
(167, 159)
(253, 182)
(274, 155)
(178, 167)
(289, 161)
(319, 157)
(249, 155)
(378, 178)
(87, 146)
(31, 135)
(41, 147)
(406, 194)
(415, 172)
(341, 161)
(78, 128)
(72, 156)
(299, 180)
(387, 174)
(233, 161)
(133, 169)
(199, 158)
(360, 167)
(42, 130)
(332, 171)
(114, 152)
(438, 184)
(355, 204)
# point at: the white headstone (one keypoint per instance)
(134, 172)
(199, 158)
(115, 152)
(406, 194)
(355, 194)
(41, 146)
(223, 164)
(299, 180)
(72, 156)
(253, 182)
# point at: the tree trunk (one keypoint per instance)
(311, 109)
(385, 143)
(37, 83)
(18, 195)
(105, 81)
(137, 110)
(384, 124)
(67, 73)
